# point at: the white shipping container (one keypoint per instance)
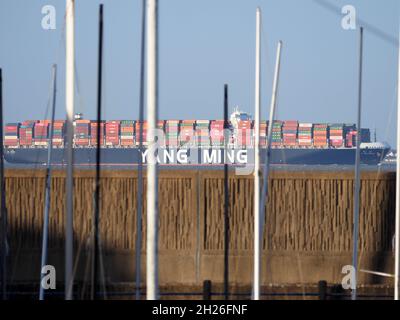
(305, 125)
(10, 137)
(305, 140)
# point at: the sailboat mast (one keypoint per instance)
(3, 209)
(267, 160)
(226, 197)
(96, 214)
(356, 218)
(152, 183)
(397, 223)
(46, 215)
(256, 200)
(139, 197)
(69, 99)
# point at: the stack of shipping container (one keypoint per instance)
(320, 135)
(112, 133)
(186, 134)
(11, 134)
(350, 133)
(289, 132)
(277, 134)
(203, 133)
(58, 133)
(263, 133)
(243, 134)
(82, 134)
(26, 133)
(93, 133)
(144, 133)
(305, 134)
(41, 133)
(217, 132)
(336, 135)
(127, 133)
(171, 133)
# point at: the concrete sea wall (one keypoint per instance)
(308, 226)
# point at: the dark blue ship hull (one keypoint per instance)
(132, 156)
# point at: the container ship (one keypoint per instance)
(192, 142)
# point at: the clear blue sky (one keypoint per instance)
(204, 44)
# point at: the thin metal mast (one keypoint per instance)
(269, 138)
(256, 200)
(226, 197)
(46, 215)
(152, 183)
(69, 99)
(397, 224)
(356, 218)
(139, 197)
(3, 209)
(96, 216)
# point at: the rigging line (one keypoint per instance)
(266, 57)
(87, 263)
(77, 257)
(380, 169)
(45, 116)
(61, 44)
(46, 216)
(35, 167)
(370, 27)
(102, 271)
(392, 110)
(80, 106)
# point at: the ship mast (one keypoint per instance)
(152, 183)
(46, 215)
(69, 99)
(356, 218)
(256, 200)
